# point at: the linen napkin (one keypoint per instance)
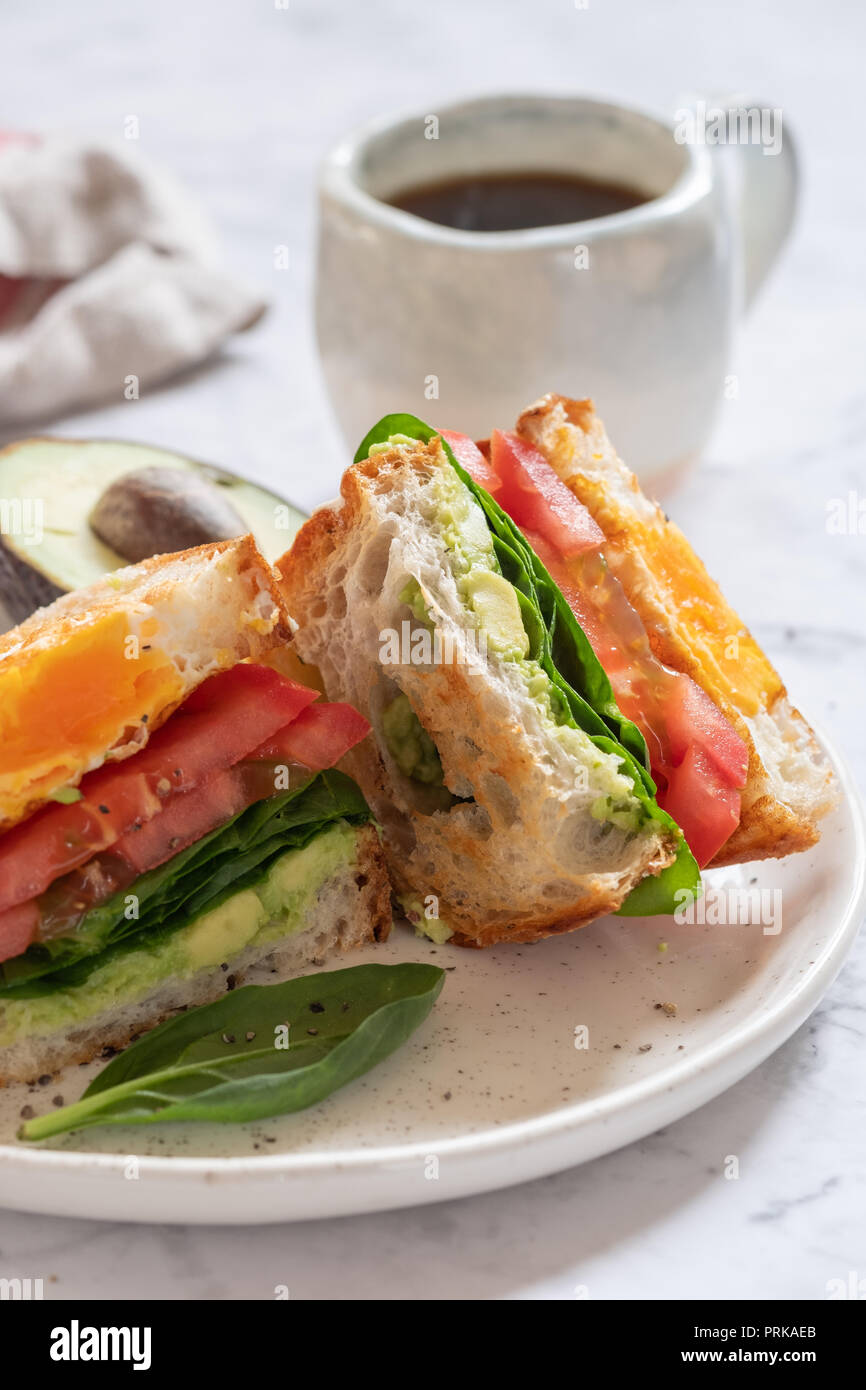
(111, 278)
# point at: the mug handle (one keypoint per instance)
(764, 192)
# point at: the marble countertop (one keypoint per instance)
(241, 102)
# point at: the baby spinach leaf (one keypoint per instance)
(667, 891)
(259, 1051)
(565, 654)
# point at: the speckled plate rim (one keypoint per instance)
(283, 1187)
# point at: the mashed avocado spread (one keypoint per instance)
(412, 748)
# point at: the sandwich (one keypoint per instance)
(568, 719)
(171, 818)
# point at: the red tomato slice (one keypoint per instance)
(222, 721)
(183, 822)
(472, 459)
(17, 929)
(188, 818)
(535, 497)
(693, 719)
(703, 806)
(318, 738)
(601, 638)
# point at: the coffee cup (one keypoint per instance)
(635, 308)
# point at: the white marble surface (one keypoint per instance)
(241, 100)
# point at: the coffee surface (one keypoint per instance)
(512, 201)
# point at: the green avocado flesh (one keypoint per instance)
(511, 598)
(275, 908)
(415, 754)
(412, 748)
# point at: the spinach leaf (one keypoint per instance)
(564, 652)
(233, 857)
(227, 1061)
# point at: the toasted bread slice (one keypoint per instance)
(86, 680)
(693, 629)
(518, 855)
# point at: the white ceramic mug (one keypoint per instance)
(635, 309)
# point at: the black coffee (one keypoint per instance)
(508, 202)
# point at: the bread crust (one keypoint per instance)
(150, 583)
(702, 637)
(445, 854)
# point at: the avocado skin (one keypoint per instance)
(23, 589)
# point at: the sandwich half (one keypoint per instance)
(171, 821)
(514, 795)
(464, 600)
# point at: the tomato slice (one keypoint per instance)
(318, 738)
(17, 929)
(470, 456)
(574, 591)
(222, 721)
(188, 817)
(535, 497)
(703, 806)
(693, 719)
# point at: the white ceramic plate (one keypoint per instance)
(492, 1089)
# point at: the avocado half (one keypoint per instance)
(50, 488)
